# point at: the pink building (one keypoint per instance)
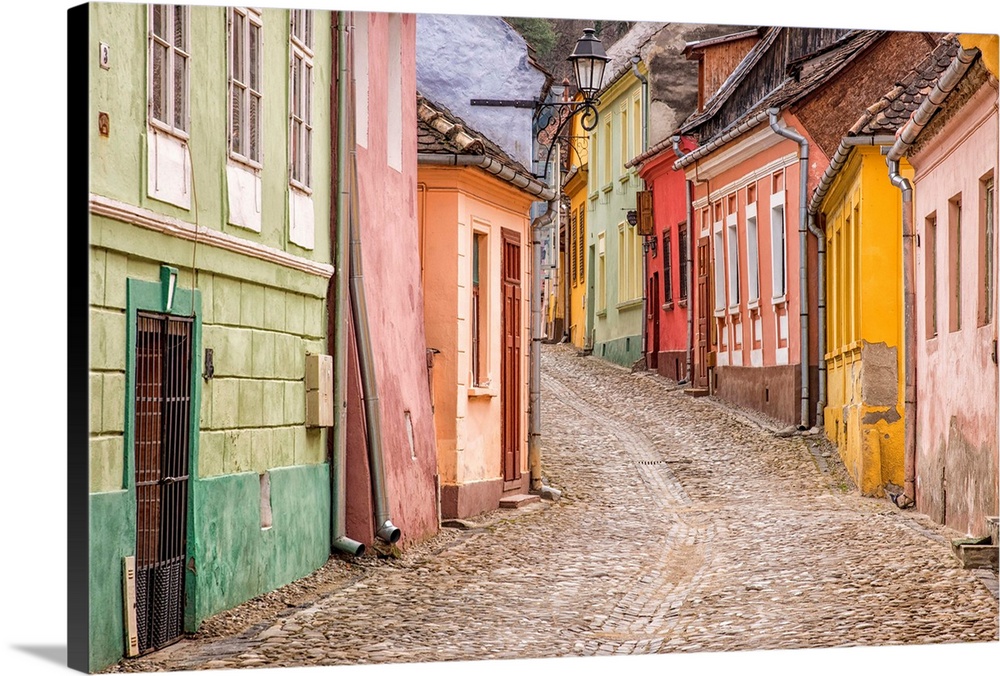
(955, 214)
(384, 109)
(764, 137)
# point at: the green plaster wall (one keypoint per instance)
(112, 537)
(622, 351)
(235, 559)
(609, 200)
(118, 161)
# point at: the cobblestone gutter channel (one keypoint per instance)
(682, 527)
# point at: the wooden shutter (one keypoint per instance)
(644, 209)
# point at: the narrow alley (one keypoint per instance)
(682, 526)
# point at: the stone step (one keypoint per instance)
(696, 391)
(515, 501)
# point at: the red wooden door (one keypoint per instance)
(510, 358)
(701, 372)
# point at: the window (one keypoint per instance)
(607, 150)
(778, 263)
(361, 79)
(245, 111)
(580, 238)
(753, 257)
(624, 136)
(637, 126)
(394, 119)
(630, 259)
(169, 63)
(668, 292)
(574, 270)
(300, 105)
(987, 245)
(955, 263)
(600, 282)
(682, 256)
(480, 265)
(720, 270)
(733, 259)
(930, 274)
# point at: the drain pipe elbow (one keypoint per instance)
(388, 532)
(772, 114)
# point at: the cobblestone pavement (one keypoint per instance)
(683, 526)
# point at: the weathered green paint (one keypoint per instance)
(622, 351)
(615, 196)
(236, 560)
(112, 537)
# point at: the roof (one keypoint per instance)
(441, 132)
(894, 108)
(805, 75)
(692, 47)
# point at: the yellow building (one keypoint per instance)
(864, 330)
(575, 279)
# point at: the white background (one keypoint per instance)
(33, 292)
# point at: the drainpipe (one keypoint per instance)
(905, 138)
(803, 277)
(689, 215)
(338, 469)
(645, 144)
(535, 355)
(832, 170)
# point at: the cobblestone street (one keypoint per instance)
(683, 526)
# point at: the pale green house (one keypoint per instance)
(210, 260)
(615, 255)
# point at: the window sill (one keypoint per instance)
(602, 313)
(608, 188)
(779, 300)
(682, 302)
(300, 187)
(170, 131)
(667, 306)
(754, 304)
(734, 309)
(245, 163)
(625, 305)
(477, 392)
(719, 313)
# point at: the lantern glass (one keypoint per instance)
(589, 60)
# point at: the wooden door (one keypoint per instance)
(701, 371)
(510, 358)
(653, 322)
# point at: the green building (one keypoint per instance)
(210, 260)
(615, 255)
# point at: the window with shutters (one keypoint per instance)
(245, 85)
(168, 158)
(300, 105)
(682, 256)
(571, 249)
(169, 65)
(580, 241)
(668, 269)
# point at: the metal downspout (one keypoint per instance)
(688, 186)
(836, 164)
(905, 138)
(338, 469)
(535, 356)
(803, 260)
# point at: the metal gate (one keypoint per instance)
(162, 432)
(510, 358)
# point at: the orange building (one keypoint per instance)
(473, 205)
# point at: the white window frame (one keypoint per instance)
(733, 261)
(779, 248)
(718, 264)
(242, 84)
(600, 283)
(300, 122)
(173, 52)
(481, 238)
(753, 256)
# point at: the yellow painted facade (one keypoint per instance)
(864, 332)
(575, 189)
(987, 44)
